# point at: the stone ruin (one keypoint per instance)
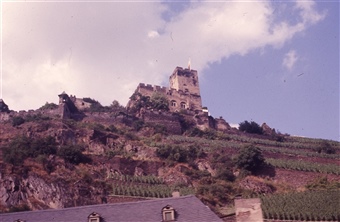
(183, 95)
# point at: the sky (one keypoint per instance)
(265, 61)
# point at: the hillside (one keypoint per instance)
(106, 155)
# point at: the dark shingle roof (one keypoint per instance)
(188, 208)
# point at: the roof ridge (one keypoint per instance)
(107, 204)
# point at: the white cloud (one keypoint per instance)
(234, 125)
(290, 59)
(153, 34)
(103, 50)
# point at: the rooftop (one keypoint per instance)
(187, 208)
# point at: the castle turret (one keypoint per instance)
(185, 80)
(66, 106)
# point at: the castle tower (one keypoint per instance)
(185, 80)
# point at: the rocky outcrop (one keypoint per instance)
(33, 191)
(3, 107)
(256, 185)
(267, 130)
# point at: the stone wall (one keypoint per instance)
(248, 210)
(168, 120)
(182, 93)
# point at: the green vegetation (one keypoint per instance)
(322, 183)
(326, 147)
(250, 127)
(17, 121)
(178, 153)
(145, 186)
(73, 154)
(217, 192)
(23, 147)
(48, 106)
(96, 106)
(306, 206)
(157, 101)
(304, 166)
(250, 158)
(19, 208)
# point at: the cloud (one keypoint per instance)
(234, 125)
(290, 59)
(103, 50)
(153, 34)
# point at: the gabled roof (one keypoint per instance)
(188, 208)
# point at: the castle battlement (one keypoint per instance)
(151, 88)
(183, 92)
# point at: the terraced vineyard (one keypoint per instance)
(305, 206)
(144, 186)
(304, 166)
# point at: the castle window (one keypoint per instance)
(94, 217)
(168, 213)
(173, 103)
(183, 105)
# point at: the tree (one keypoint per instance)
(73, 154)
(23, 147)
(49, 106)
(17, 150)
(17, 121)
(116, 108)
(159, 102)
(250, 127)
(250, 158)
(326, 147)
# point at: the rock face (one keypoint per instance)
(33, 191)
(251, 183)
(267, 130)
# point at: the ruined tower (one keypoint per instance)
(185, 80)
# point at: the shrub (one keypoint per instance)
(73, 154)
(138, 124)
(16, 151)
(19, 208)
(173, 153)
(89, 100)
(225, 174)
(250, 158)
(49, 106)
(17, 121)
(250, 127)
(159, 102)
(196, 174)
(322, 183)
(23, 147)
(325, 147)
(44, 146)
(112, 129)
(36, 117)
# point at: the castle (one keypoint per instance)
(183, 96)
(183, 92)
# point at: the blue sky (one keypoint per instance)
(266, 61)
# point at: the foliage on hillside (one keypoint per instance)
(212, 164)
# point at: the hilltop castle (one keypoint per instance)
(183, 92)
(182, 95)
